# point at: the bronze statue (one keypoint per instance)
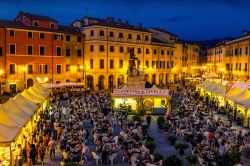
(132, 59)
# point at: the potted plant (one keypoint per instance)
(192, 159)
(181, 146)
(158, 157)
(172, 161)
(151, 146)
(172, 139)
(161, 121)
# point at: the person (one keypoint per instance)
(32, 154)
(19, 157)
(148, 120)
(41, 152)
(52, 148)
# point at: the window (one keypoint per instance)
(79, 39)
(41, 50)
(30, 69)
(101, 48)
(101, 33)
(42, 36)
(91, 48)
(246, 50)
(43, 69)
(101, 64)
(58, 69)
(111, 48)
(171, 64)
(120, 35)
(129, 36)
(147, 64)
(12, 49)
(1, 51)
(79, 52)
(57, 37)
(139, 50)
(67, 67)
(172, 52)
(167, 64)
(111, 64)
(164, 64)
(12, 33)
(146, 38)
(67, 52)
(78, 68)
(239, 66)
(138, 37)
(58, 51)
(153, 64)
(91, 63)
(147, 51)
(52, 25)
(168, 52)
(236, 51)
(30, 35)
(30, 50)
(36, 23)
(162, 52)
(121, 64)
(121, 49)
(236, 66)
(155, 51)
(12, 69)
(111, 34)
(245, 67)
(240, 51)
(92, 33)
(67, 37)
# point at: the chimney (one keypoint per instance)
(127, 22)
(140, 25)
(119, 20)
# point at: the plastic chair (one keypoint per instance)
(112, 157)
(97, 158)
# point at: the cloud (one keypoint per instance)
(178, 18)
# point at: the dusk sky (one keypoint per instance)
(189, 19)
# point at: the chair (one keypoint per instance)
(97, 158)
(112, 157)
(133, 161)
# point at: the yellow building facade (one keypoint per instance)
(107, 46)
(230, 60)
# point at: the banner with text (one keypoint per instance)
(141, 92)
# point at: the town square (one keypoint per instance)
(124, 83)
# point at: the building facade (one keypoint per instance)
(93, 51)
(35, 48)
(230, 60)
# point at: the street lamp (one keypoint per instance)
(24, 72)
(221, 71)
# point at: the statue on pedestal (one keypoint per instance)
(132, 63)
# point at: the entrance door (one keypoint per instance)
(29, 83)
(12, 88)
(111, 82)
(90, 82)
(101, 82)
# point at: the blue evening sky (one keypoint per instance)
(189, 19)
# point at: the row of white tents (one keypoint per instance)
(18, 111)
(236, 95)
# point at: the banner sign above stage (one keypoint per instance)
(141, 92)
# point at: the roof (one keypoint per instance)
(37, 17)
(19, 25)
(164, 31)
(114, 24)
(160, 42)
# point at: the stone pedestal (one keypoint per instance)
(135, 79)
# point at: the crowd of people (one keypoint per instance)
(209, 136)
(84, 129)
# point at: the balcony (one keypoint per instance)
(115, 39)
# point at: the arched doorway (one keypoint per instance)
(153, 79)
(67, 80)
(111, 82)
(148, 105)
(30, 83)
(90, 82)
(175, 78)
(101, 82)
(78, 80)
(120, 80)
